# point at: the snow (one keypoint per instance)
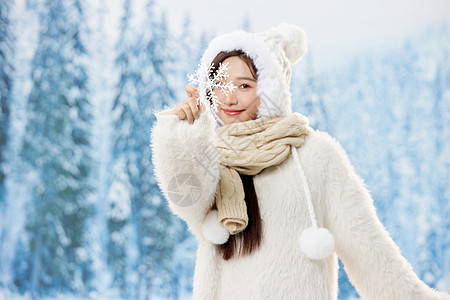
(389, 107)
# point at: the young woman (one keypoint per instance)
(272, 202)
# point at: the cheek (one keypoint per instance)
(254, 102)
(219, 94)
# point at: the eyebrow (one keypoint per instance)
(246, 78)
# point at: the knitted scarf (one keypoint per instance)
(248, 148)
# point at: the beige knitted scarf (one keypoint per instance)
(248, 148)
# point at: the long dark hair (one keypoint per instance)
(250, 238)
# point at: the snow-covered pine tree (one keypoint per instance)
(13, 212)
(433, 116)
(57, 148)
(309, 96)
(246, 23)
(186, 57)
(101, 86)
(120, 192)
(156, 221)
(144, 86)
(6, 82)
(404, 104)
(441, 89)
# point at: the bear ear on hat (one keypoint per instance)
(294, 41)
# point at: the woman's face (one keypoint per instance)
(243, 103)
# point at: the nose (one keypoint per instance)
(231, 98)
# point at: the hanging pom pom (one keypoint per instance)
(212, 230)
(316, 243)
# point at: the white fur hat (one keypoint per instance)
(272, 51)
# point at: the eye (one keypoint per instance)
(245, 86)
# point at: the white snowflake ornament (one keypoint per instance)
(207, 84)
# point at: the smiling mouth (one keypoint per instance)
(231, 112)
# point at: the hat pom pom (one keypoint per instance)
(316, 243)
(212, 230)
(296, 44)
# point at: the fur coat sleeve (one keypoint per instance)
(372, 260)
(186, 165)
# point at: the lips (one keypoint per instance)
(232, 112)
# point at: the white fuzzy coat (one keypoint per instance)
(278, 269)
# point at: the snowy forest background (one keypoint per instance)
(81, 215)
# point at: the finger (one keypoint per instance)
(187, 110)
(179, 112)
(194, 108)
(202, 107)
(191, 91)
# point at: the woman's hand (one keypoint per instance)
(189, 108)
